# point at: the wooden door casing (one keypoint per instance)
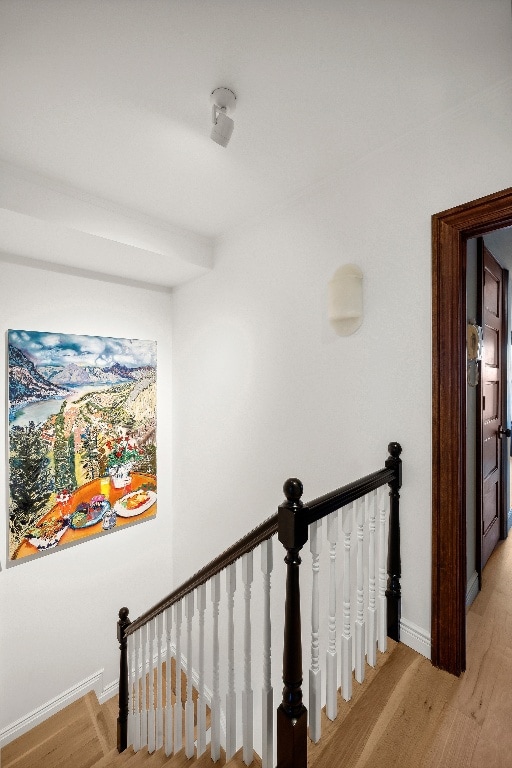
(450, 231)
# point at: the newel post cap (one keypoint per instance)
(291, 524)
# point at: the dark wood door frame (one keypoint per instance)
(450, 231)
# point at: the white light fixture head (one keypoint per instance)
(346, 299)
(222, 99)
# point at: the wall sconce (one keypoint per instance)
(345, 299)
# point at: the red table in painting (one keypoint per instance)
(84, 495)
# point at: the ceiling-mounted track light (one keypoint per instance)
(222, 99)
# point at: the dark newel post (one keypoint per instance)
(122, 721)
(292, 714)
(393, 591)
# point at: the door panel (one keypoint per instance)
(490, 459)
(491, 505)
(491, 348)
(491, 402)
(492, 295)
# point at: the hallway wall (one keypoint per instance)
(59, 612)
(264, 389)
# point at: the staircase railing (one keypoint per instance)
(146, 714)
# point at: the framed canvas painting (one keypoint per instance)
(82, 438)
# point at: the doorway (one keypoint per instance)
(450, 231)
(488, 447)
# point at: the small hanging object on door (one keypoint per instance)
(474, 351)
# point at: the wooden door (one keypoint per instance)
(492, 406)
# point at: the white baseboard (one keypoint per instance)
(415, 637)
(112, 689)
(471, 589)
(37, 716)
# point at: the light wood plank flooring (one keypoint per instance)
(415, 716)
(407, 714)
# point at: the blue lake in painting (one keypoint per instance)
(37, 412)
(41, 410)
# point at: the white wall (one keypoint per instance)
(59, 612)
(264, 390)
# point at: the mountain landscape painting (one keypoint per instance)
(82, 438)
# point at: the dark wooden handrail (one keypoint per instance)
(237, 550)
(314, 510)
(330, 502)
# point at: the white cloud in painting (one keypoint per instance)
(93, 345)
(60, 349)
(50, 340)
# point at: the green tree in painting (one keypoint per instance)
(147, 462)
(71, 461)
(63, 456)
(90, 453)
(30, 479)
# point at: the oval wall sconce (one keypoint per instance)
(345, 300)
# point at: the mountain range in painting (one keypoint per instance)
(28, 383)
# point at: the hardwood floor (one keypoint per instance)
(406, 714)
(76, 737)
(415, 716)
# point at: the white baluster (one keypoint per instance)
(382, 613)
(371, 652)
(144, 708)
(201, 703)
(131, 689)
(346, 638)
(151, 687)
(168, 683)
(315, 673)
(267, 693)
(215, 708)
(189, 704)
(360, 622)
(159, 692)
(247, 697)
(178, 707)
(137, 704)
(331, 675)
(231, 695)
